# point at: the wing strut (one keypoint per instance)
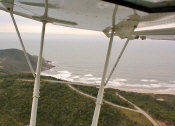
(101, 89)
(37, 81)
(38, 70)
(104, 81)
(22, 44)
(120, 55)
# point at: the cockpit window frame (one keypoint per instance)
(126, 3)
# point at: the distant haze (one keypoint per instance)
(148, 63)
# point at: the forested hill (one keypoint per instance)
(59, 105)
(13, 61)
(159, 106)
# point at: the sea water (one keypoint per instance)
(147, 65)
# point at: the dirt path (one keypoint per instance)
(140, 110)
(107, 102)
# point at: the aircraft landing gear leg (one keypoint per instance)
(101, 89)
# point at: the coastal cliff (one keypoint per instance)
(13, 61)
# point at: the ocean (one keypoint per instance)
(146, 65)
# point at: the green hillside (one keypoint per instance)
(13, 61)
(163, 111)
(109, 95)
(58, 106)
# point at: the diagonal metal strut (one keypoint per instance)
(37, 81)
(38, 70)
(22, 45)
(101, 89)
(119, 57)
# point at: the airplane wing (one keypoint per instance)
(161, 28)
(158, 34)
(89, 14)
(84, 14)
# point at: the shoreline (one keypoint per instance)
(133, 90)
(172, 92)
(147, 91)
(47, 65)
(143, 91)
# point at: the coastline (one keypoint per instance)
(51, 65)
(147, 91)
(47, 65)
(142, 91)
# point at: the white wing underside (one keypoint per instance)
(93, 15)
(159, 34)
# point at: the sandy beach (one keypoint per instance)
(149, 91)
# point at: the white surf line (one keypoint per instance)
(140, 110)
(105, 101)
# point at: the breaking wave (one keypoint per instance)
(149, 85)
